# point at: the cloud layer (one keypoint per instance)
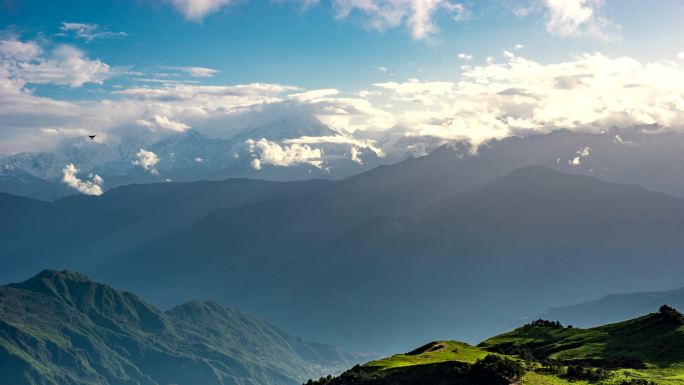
(506, 95)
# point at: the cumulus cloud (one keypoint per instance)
(465, 56)
(416, 15)
(355, 155)
(582, 153)
(353, 142)
(65, 65)
(147, 160)
(159, 122)
(88, 31)
(13, 49)
(196, 10)
(522, 96)
(88, 187)
(265, 152)
(619, 140)
(578, 17)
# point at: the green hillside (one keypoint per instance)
(653, 340)
(642, 351)
(60, 328)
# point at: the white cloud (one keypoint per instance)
(18, 50)
(681, 55)
(265, 152)
(160, 122)
(355, 155)
(167, 92)
(88, 187)
(516, 96)
(465, 56)
(582, 153)
(354, 143)
(199, 160)
(147, 160)
(314, 95)
(65, 65)
(382, 68)
(88, 31)
(201, 72)
(508, 54)
(458, 11)
(417, 15)
(197, 10)
(417, 91)
(578, 17)
(519, 46)
(521, 96)
(196, 72)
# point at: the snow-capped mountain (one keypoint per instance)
(84, 153)
(288, 149)
(290, 127)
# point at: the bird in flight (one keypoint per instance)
(92, 137)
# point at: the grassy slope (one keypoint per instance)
(461, 352)
(651, 339)
(438, 351)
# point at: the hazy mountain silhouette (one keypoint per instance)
(614, 307)
(332, 260)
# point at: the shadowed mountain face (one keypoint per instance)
(333, 260)
(61, 328)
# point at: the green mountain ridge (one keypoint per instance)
(61, 328)
(643, 351)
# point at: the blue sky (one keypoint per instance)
(346, 45)
(262, 41)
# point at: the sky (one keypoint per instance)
(443, 68)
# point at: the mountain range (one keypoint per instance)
(331, 260)
(289, 149)
(298, 148)
(614, 307)
(61, 328)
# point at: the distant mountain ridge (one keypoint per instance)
(305, 148)
(614, 307)
(61, 328)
